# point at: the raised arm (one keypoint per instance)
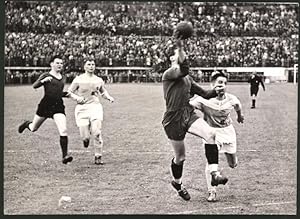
(180, 65)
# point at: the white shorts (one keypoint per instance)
(85, 113)
(226, 139)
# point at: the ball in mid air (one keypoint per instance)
(184, 30)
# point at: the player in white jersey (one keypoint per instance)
(216, 112)
(89, 111)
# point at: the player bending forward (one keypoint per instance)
(217, 114)
(88, 111)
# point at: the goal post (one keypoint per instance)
(295, 73)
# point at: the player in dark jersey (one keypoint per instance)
(180, 118)
(51, 105)
(254, 81)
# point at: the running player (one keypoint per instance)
(254, 81)
(51, 106)
(89, 111)
(217, 114)
(180, 118)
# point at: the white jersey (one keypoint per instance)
(87, 86)
(217, 112)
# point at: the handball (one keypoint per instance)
(184, 30)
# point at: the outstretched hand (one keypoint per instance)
(219, 88)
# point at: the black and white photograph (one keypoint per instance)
(150, 108)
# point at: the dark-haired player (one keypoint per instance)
(254, 81)
(89, 111)
(216, 113)
(180, 118)
(51, 105)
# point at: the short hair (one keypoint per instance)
(88, 60)
(55, 57)
(217, 74)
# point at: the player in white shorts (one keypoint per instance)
(88, 111)
(216, 112)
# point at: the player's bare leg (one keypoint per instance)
(177, 168)
(201, 129)
(96, 126)
(61, 123)
(232, 160)
(85, 135)
(32, 126)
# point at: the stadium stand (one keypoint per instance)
(135, 34)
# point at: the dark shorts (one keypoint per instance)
(253, 91)
(177, 123)
(49, 106)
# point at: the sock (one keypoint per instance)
(30, 128)
(253, 102)
(86, 142)
(64, 145)
(177, 170)
(212, 156)
(98, 144)
(210, 188)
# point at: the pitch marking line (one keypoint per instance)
(236, 207)
(120, 151)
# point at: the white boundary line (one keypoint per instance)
(137, 152)
(273, 203)
(235, 207)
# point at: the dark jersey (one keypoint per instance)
(255, 81)
(177, 93)
(54, 88)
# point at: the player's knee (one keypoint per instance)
(211, 137)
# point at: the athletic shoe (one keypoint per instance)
(67, 159)
(217, 178)
(212, 196)
(23, 126)
(182, 192)
(86, 143)
(252, 107)
(98, 160)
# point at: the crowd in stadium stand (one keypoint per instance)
(139, 33)
(156, 18)
(29, 49)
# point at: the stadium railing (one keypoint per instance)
(27, 75)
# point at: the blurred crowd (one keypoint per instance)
(30, 49)
(152, 18)
(140, 33)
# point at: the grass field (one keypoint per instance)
(136, 177)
